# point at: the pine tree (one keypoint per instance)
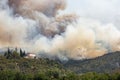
(24, 54)
(21, 53)
(9, 51)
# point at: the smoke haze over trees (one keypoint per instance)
(39, 27)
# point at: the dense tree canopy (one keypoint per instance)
(13, 66)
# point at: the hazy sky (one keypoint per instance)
(102, 10)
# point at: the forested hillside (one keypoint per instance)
(13, 66)
(104, 64)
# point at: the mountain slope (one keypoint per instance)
(107, 63)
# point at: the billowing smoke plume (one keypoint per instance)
(37, 26)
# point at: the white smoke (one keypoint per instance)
(37, 26)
